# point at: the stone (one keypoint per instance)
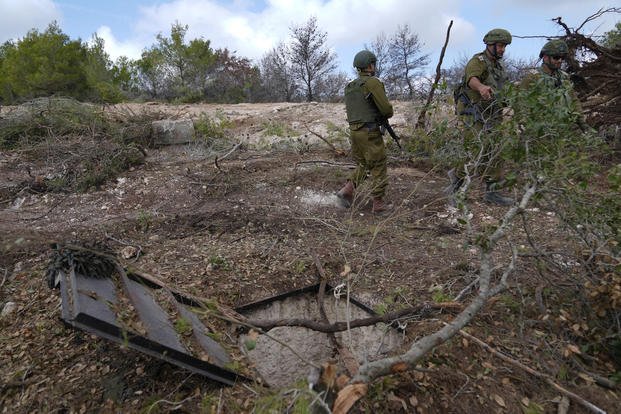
(172, 131)
(8, 309)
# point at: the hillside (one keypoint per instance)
(242, 219)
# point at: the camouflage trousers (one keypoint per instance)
(369, 153)
(479, 147)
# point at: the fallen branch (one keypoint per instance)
(6, 272)
(226, 155)
(535, 373)
(408, 360)
(337, 151)
(336, 164)
(348, 358)
(342, 326)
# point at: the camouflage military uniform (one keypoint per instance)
(551, 77)
(476, 115)
(366, 103)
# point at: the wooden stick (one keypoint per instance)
(356, 323)
(421, 117)
(348, 358)
(535, 373)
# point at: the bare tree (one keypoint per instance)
(277, 75)
(406, 60)
(330, 88)
(380, 47)
(312, 60)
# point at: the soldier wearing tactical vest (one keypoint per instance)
(553, 77)
(366, 105)
(479, 111)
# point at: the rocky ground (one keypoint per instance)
(246, 227)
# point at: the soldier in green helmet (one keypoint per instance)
(366, 105)
(552, 76)
(479, 111)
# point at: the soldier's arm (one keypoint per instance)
(475, 70)
(378, 93)
(485, 91)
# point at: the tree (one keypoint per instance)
(311, 59)
(233, 79)
(99, 74)
(277, 75)
(41, 64)
(150, 73)
(330, 88)
(175, 69)
(124, 75)
(405, 61)
(612, 38)
(380, 48)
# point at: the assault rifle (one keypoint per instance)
(383, 123)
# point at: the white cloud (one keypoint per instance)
(17, 17)
(349, 23)
(116, 48)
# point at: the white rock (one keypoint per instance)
(8, 309)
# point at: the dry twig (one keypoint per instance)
(421, 117)
(590, 406)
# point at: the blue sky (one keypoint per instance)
(251, 28)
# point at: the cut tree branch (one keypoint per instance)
(357, 323)
(420, 348)
(421, 117)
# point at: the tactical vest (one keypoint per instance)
(494, 76)
(555, 78)
(359, 107)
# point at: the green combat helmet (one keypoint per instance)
(556, 47)
(497, 36)
(363, 59)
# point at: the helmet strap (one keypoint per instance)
(550, 67)
(493, 51)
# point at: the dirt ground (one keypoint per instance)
(246, 228)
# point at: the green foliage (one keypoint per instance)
(533, 408)
(299, 266)
(542, 139)
(336, 133)
(183, 326)
(279, 129)
(144, 220)
(298, 400)
(212, 129)
(219, 262)
(439, 296)
(43, 118)
(108, 163)
(612, 38)
(443, 144)
(381, 308)
(48, 63)
(250, 344)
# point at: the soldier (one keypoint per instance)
(479, 111)
(553, 77)
(366, 104)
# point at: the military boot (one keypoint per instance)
(379, 206)
(493, 196)
(346, 195)
(454, 185)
